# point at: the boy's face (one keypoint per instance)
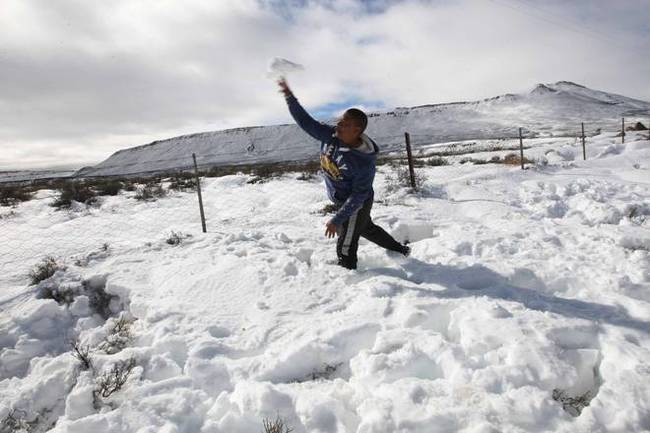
(347, 130)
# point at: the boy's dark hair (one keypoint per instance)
(358, 116)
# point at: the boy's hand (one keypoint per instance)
(284, 87)
(330, 232)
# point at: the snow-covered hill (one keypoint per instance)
(548, 110)
(526, 298)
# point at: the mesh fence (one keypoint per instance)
(35, 229)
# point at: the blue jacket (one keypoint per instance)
(349, 172)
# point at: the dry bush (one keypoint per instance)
(113, 380)
(12, 195)
(306, 176)
(176, 238)
(108, 186)
(16, 422)
(82, 354)
(264, 172)
(325, 373)
(401, 178)
(637, 127)
(99, 299)
(572, 405)
(119, 337)
(44, 270)
(474, 161)
(74, 191)
(436, 161)
(514, 159)
(150, 192)
(329, 209)
(183, 181)
(276, 426)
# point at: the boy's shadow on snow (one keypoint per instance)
(477, 280)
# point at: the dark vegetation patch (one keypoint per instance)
(572, 405)
(70, 192)
(11, 195)
(638, 126)
(176, 238)
(150, 192)
(328, 209)
(44, 270)
(182, 181)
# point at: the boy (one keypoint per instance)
(348, 159)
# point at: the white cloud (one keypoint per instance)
(82, 79)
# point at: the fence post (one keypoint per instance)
(622, 129)
(521, 148)
(584, 150)
(407, 137)
(198, 190)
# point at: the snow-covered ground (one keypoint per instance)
(521, 285)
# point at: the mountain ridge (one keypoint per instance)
(549, 109)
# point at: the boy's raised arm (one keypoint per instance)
(308, 124)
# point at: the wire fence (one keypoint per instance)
(34, 230)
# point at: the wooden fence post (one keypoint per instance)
(198, 190)
(521, 148)
(584, 150)
(409, 156)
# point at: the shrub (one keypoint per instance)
(437, 161)
(82, 354)
(119, 337)
(514, 159)
(324, 373)
(112, 380)
(175, 238)
(99, 299)
(329, 208)
(637, 127)
(264, 173)
(108, 187)
(401, 178)
(150, 192)
(14, 423)
(276, 426)
(306, 176)
(74, 191)
(44, 270)
(12, 195)
(62, 295)
(572, 405)
(8, 215)
(183, 181)
(130, 186)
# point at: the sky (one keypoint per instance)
(82, 79)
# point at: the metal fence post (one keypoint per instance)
(198, 190)
(521, 148)
(584, 150)
(409, 156)
(623, 130)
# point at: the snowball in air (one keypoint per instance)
(279, 67)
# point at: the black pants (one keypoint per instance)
(360, 224)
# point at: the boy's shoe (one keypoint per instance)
(346, 263)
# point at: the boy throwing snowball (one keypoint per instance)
(347, 157)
